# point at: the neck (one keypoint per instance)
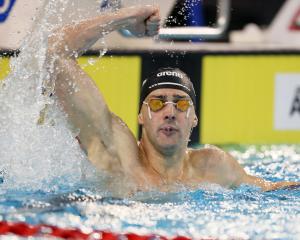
(169, 167)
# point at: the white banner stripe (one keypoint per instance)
(169, 83)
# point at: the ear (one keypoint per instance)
(195, 122)
(140, 119)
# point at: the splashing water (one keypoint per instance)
(36, 144)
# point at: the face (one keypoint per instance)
(167, 129)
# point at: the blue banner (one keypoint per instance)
(5, 8)
(195, 13)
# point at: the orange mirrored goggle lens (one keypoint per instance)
(158, 104)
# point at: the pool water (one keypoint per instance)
(41, 177)
(209, 211)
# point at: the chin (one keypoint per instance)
(168, 151)
(168, 148)
(167, 142)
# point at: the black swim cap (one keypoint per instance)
(167, 78)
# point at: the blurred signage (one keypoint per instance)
(295, 24)
(5, 9)
(16, 20)
(286, 25)
(287, 102)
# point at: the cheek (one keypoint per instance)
(184, 120)
(148, 123)
(186, 124)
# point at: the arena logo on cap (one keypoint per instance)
(5, 8)
(169, 73)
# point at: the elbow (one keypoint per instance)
(55, 42)
(58, 44)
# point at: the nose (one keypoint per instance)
(169, 112)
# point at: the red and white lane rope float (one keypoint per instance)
(26, 230)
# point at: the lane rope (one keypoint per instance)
(23, 229)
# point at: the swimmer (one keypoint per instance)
(167, 114)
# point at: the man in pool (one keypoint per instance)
(167, 115)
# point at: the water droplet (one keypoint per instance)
(91, 61)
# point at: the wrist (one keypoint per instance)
(123, 19)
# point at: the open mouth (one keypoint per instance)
(168, 130)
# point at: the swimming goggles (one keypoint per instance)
(157, 104)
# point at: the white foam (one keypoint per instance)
(32, 155)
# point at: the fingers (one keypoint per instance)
(155, 17)
(150, 11)
(152, 28)
(147, 20)
(153, 24)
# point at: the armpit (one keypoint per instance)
(103, 159)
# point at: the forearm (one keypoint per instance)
(269, 186)
(231, 173)
(73, 40)
(282, 185)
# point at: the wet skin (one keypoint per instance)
(169, 129)
(161, 158)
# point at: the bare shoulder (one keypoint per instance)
(209, 155)
(215, 165)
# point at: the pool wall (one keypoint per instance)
(243, 97)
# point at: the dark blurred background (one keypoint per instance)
(204, 12)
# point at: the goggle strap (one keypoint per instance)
(188, 112)
(149, 112)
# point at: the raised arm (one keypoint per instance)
(76, 91)
(73, 40)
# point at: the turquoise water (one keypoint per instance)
(209, 211)
(41, 179)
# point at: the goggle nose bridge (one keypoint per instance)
(164, 104)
